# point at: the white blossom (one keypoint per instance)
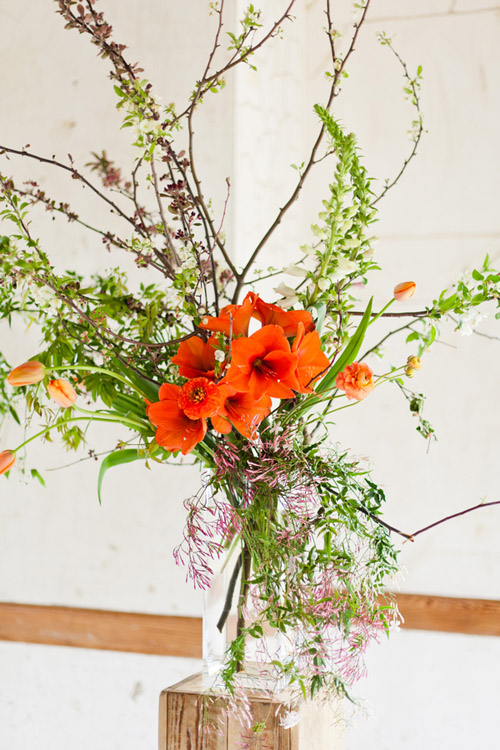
(290, 719)
(294, 270)
(344, 267)
(308, 249)
(288, 293)
(45, 297)
(469, 321)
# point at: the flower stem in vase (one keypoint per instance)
(246, 564)
(229, 595)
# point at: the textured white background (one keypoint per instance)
(57, 546)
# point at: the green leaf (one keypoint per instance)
(477, 275)
(115, 459)
(350, 352)
(447, 304)
(36, 475)
(14, 415)
(150, 390)
(320, 318)
(412, 337)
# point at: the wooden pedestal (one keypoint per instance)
(186, 715)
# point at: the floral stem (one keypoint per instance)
(246, 562)
(92, 368)
(230, 593)
(382, 311)
(71, 419)
(108, 416)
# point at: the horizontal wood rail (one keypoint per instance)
(449, 614)
(167, 635)
(163, 635)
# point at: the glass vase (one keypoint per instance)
(220, 605)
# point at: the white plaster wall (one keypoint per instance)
(57, 546)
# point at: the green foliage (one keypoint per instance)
(320, 556)
(115, 459)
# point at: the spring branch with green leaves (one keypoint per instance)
(170, 356)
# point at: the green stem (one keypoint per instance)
(246, 563)
(71, 419)
(94, 368)
(119, 418)
(382, 311)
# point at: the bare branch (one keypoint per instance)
(411, 537)
(205, 83)
(339, 66)
(76, 175)
(412, 84)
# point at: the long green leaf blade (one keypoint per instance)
(350, 352)
(115, 459)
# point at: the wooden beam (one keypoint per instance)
(449, 614)
(168, 635)
(163, 635)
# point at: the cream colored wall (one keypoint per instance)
(58, 546)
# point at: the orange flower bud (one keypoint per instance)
(414, 362)
(405, 290)
(410, 372)
(62, 392)
(7, 459)
(27, 374)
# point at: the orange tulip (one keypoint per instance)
(196, 358)
(405, 290)
(311, 361)
(242, 411)
(263, 364)
(7, 459)
(233, 319)
(356, 380)
(287, 319)
(176, 431)
(26, 374)
(62, 392)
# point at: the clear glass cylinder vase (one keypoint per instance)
(219, 629)
(221, 602)
(214, 631)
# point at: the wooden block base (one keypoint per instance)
(192, 719)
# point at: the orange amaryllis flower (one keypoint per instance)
(233, 319)
(288, 320)
(404, 290)
(7, 459)
(62, 392)
(242, 411)
(311, 361)
(356, 380)
(196, 358)
(26, 374)
(176, 431)
(263, 364)
(199, 398)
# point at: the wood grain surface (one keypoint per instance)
(181, 636)
(192, 719)
(449, 614)
(93, 628)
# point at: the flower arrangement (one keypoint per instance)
(201, 362)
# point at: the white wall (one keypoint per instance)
(57, 546)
